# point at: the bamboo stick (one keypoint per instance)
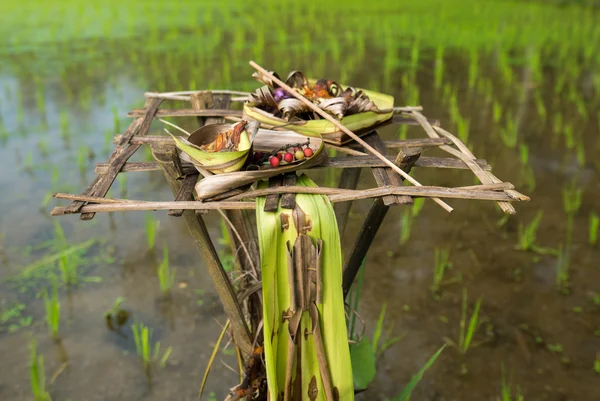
(475, 192)
(351, 134)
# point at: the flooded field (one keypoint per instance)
(519, 82)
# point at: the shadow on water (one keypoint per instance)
(517, 81)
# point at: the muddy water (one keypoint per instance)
(57, 106)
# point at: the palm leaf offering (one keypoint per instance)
(357, 109)
(305, 338)
(220, 148)
(268, 145)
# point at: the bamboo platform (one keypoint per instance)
(241, 302)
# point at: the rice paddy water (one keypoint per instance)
(517, 81)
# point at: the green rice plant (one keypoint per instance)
(408, 389)
(569, 133)
(527, 234)
(441, 264)
(509, 133)
(580, 153)
(152, 226)
(572, 195)
(417, 206)
(540, 106)
(562, 269)
(52, 306)
(506, 389)
(467, 332)
(116, 120)
(166, 275)
(68, 263)
(597, 363)
(402, 131)
(405, 226)
(43, 147)
(593, 228)
(122, 178)
(473, 67)
(37, 374)
(524, 154)
(496, 112)
(382, 341)
(142, 335)
(353, 299)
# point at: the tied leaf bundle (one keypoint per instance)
(305, 338)
(328, 94)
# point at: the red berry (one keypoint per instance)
(288, 157)
(280, 156)
(274, 161)
(257, 156)
(308, 152)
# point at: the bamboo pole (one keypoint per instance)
(351, 134)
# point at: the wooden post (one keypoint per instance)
(405, 160)
(348, 180)
(168, 159)
(244, 238)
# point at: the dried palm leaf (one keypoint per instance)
(290, 107)
(265, 79)
(360, 104)
(371, 115)
(263, 98)
(297, 79)
(335, 106)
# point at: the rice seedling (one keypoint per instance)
(353, 298)
(524, 154)
(64, 125)
(562, 269)
(540, 106)
(166, 275)
(408, 389)
(580, 153)
(116, 120)
(527, 234)
(417, 206)
(593, 228)
(506, 389)
(43, 147)
(467, 332)
(473, 68)
(152, 226)
(572, 195)
(12, 317)
(509, 134)
(405, 226)
(122, 178)
(148, 353)
(441, 264)
(382, 341)
(597, 363)
(68, 263)
(569, 133)
(496, 112)
(52, 306)
(37, 374)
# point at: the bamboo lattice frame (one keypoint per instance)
(242, 305)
